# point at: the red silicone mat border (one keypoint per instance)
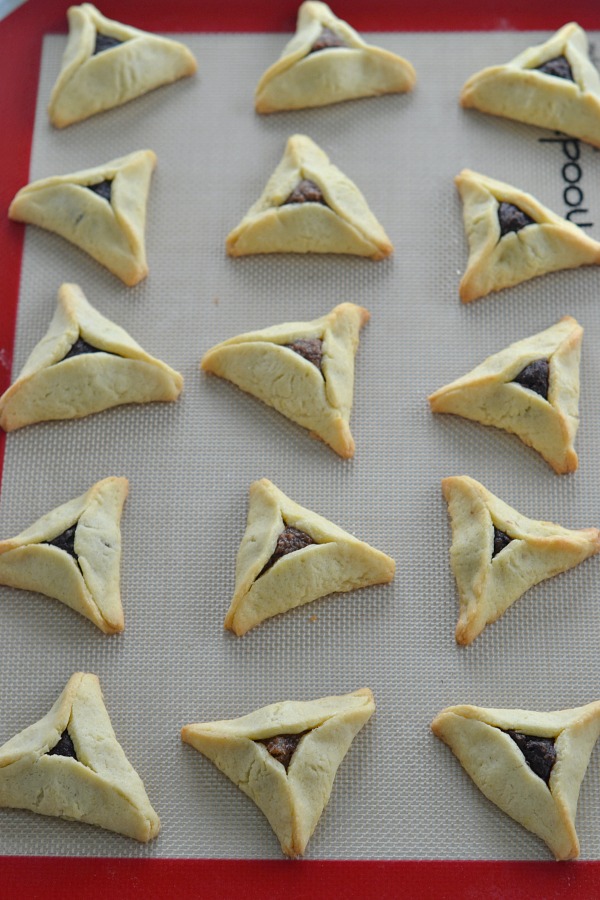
(48, 877)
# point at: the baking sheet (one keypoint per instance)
(399, 793)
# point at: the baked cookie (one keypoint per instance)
(70, 765)
(530, 764)
(513, 238)
(309, 206)
(290, 556)
(553, 85)
(84, 364)
(73, 554)
(285, 757)
(327, 61)
(303, 369)
(497, 554)
(530, 389)
(100, 210)
(106, 64)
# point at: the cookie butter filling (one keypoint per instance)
(327, 40)
(79, 348)
(501, 540)
(306, 191)
(558, 67)
(66, 541)
(535, 376)
(283, 746)
(539, 752)
(105, 42)
(64, 747)
(289, 540)
(511, 218)
(311, 350)
(103, 189)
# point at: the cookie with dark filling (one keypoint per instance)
(285, 757)
(327, 61)
(554, 85)
(530, 764)
(305, 370)
(497, 553)
(106, 64)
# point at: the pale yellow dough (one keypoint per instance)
(345, 224)
(301, 79)
(111, 232)
(90, 83)
(292, 800)
(90, 584)
(478, 738)
(519, 91)
(550, 244)
(490, 395)
(488, 585)
(259, 362)
(52, 387)
(100, 787)
(337, 561)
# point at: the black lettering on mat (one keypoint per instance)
(571, 173)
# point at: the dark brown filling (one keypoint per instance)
(105, 42)
(80, 347)
(535, 376)
(65, 541)
(103, 189)
(559, 67)
(306, 191)
(511, 218)
(539, 752)
(312, 350)
(501, 540)
(289, 540)
(282, 747)
(64, 747)
(326, 40)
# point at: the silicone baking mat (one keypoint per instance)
(399, 794)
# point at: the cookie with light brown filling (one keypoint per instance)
(289, 556)
(305, 370)
(106, 64)
(554, 85)
(530, 764)
(285, 757)
(530, 388)
(309, 206)
(326, 62)
(497, 553)
(84, 364)
(73, 554)
(101, 210)
(513, 237)
(70, 765)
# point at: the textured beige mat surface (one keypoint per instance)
(399, 793)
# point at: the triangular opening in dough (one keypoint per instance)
(309, 206)
(530, 764)
(100, 210)
(554, 85)
(73, 554)
(513, 238)
(497, 553)
(106, 64)
(530, 389)
(70, 764)
(285, 757)
(84, 364)
(289, 556)
(305, 370)
(327, 61)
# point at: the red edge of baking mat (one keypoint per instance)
(21, 36)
